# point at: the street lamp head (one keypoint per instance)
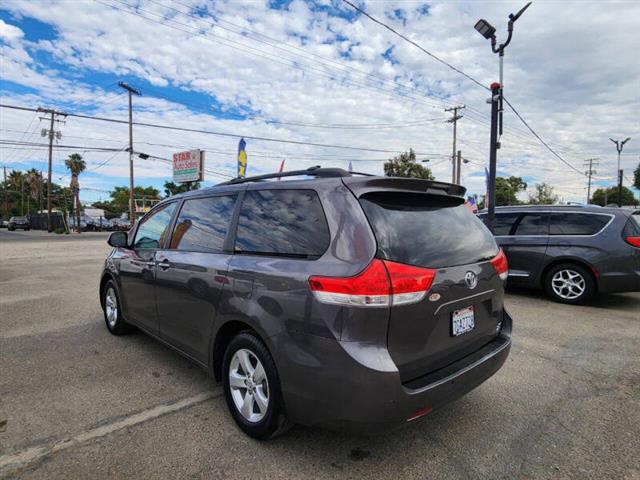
(626, 140)
(614, 141)
(485, 29)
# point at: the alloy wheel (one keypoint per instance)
(111, 307)
(568, 284)
(249, 385)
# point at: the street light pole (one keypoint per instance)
(132, 207)
(619, 147)
(489, 32)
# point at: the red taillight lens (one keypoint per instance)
(635, 241)
(382, 283)
(368, 288)
(409, 284)
(501, 265)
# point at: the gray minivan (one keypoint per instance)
(342, 300)
(572, 252)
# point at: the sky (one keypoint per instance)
(320, 72)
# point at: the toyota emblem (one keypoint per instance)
(471, 279)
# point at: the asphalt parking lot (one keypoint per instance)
(76, 402)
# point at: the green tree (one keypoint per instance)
(405, 165)
(171, 188)
(611, 196)
(507, 190)
(636, 177)
(34, 182)
(76, 166)
(544, 195)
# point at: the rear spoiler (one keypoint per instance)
(362, 185)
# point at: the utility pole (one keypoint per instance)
(590, 172)
(51, 133)
(619, 146)
(454, 120)
(6, 193)
(132, 206)
(459, 168)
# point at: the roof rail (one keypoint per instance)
(316, 171)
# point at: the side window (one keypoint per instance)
(577, 223)
(282, 222)
(503, 222)
(533, 224)
(203, 223)
(153, 229)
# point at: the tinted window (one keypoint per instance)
(419, 230)
(632, 227)
(154, 228)
(282, 222)
(203, 223)
(577, 223)
(503, 222)
(533, 224)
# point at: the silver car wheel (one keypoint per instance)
(111, 307)
(568, 284)
(249, 385)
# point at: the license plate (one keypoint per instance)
(462, 321)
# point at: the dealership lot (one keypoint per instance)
(76, 402)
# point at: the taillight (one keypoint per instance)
(635, 241)
(382, 283)
(501, 265)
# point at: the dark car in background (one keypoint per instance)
(571, 252)
(347, 301)
(19, 222)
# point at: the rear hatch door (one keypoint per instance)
(461, 311)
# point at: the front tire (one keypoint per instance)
(570, 283)
(112, 310)
(252, 388)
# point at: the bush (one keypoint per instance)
(59, 230)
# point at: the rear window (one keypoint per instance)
(533, 224)
(422, 230)
(632, 227)
(282, 223)
(577, 223)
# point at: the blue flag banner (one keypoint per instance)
(242, 158)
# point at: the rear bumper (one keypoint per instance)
(357, 387)
(618, 282)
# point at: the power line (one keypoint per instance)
(210, 132)
(541, 140)
(435, 57)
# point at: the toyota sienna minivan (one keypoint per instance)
(338, 300)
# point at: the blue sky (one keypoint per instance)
(317, 72)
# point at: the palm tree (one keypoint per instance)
(76, 165)
(16, 182)
(34, 181)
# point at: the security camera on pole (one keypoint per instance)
(489, 32)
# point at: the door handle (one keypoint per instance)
(151, 264)
(164, 264)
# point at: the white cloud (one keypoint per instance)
(560, 73)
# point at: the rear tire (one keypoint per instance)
(569, 283)
(252, 388)
(113, 311)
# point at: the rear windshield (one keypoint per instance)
(419, 229)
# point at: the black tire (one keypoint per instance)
(584, 281)
(117, 325)
(274, 421)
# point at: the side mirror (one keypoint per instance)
(118, 239)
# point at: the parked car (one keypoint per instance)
(346, 301)
(121, 224)
(4, 224)
(570, 252)
(19, 222)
